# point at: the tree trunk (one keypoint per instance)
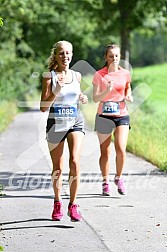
(126, 9)
(125, 43)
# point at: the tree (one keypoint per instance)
(123, 17)
(29, 31)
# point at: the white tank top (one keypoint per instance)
(69, 95)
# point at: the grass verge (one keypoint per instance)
(148, 138)
(8, 111)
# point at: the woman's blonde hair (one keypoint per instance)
(52, 63)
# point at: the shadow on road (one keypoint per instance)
(32, 227)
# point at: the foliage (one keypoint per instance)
(149, 48)
(1, 248)
(1, 194)
(8, 110)
(30, 29)
(1, 21)
(117, 18)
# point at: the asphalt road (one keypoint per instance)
(136, 222)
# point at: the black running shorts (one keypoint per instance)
(106, 124)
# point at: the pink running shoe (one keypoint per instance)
(73, 212)
(121, 186)
(106, 189)
(57, 213)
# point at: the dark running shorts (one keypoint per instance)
(106, 124)
(57, 137)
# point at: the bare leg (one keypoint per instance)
(56, 152)
(120, 142)
(75, 140)
(104, 160)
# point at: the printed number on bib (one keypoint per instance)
(111, 108)
(65, 111)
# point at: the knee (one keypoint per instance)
(121, 152)
(105, 153)
(74, 165)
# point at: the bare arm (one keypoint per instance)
(97, 95)
(47, 96)
(128, 93)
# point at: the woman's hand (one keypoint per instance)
(58, 87)
(59, 83)
(83, 98)
(110, 85)
(129, 98)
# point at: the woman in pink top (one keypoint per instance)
(111, 87)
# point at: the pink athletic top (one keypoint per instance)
(120, 80)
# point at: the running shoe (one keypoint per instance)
(121, 186)
(73, 213)
(106, 189)
(57, 213)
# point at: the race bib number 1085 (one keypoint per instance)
(65, 111)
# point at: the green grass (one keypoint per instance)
(8, 110)
(156, 78)
(148, 139)
(148, 136)
(149, 121)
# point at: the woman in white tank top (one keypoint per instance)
(61, 94)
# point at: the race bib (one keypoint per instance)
(65, 111)
(111, 108)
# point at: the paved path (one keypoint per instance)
(136, 222)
